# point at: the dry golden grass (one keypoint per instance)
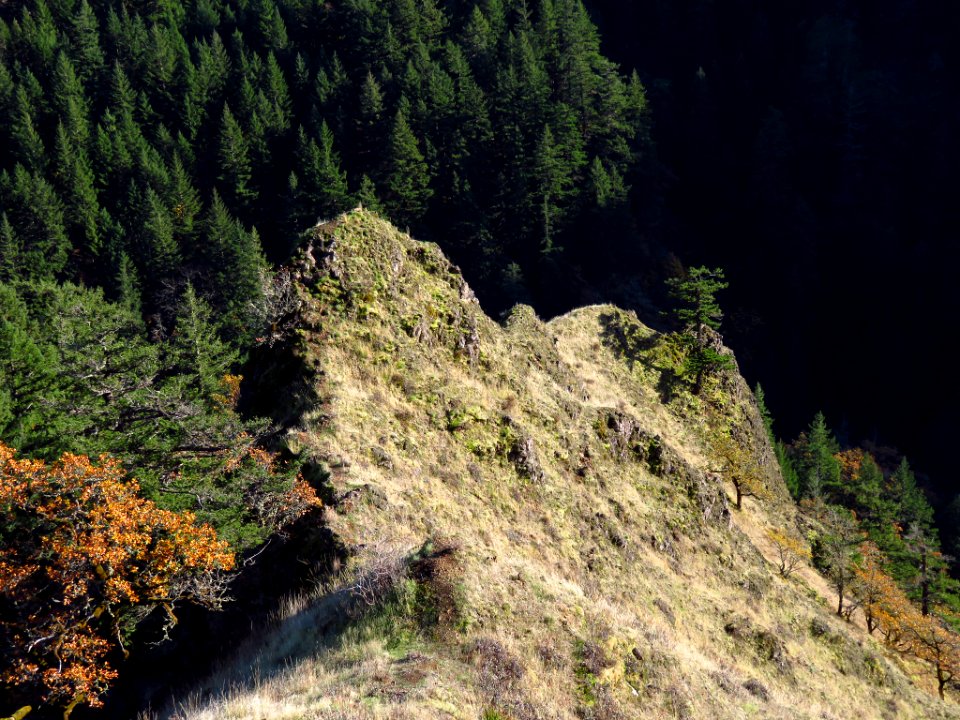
(587, 582)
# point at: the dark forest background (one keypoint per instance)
(810, 148)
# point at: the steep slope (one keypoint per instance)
(536, 523)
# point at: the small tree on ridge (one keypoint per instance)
(699, 312)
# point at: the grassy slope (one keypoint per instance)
(594, 575)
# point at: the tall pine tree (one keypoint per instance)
(235, 173)
(406, 185)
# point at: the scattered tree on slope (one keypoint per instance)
(739, 465)
(934, 642)
(791, 551)
(698, 313)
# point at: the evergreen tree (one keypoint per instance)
(278, 96)
(75, 119)
(496, 15)
(85, 47)
(791, 477)
(128, 286)
(600, 184)
(578, 52)
(472, 117)
(112, 159)
(865, 496)
(273, 31)
(234, 156)
(206, 84)
(698, 308)
(36, 213)
(206, 16)
(553, 182)
(301, 75)
(9, 250)
(236, 265)
(195, 351)
(523, 88)
(367, 195)
(780, 450)
(27, 371)
(159, 252)
(123, 100)
(38, 34)
(26, 143)
(368, 121)
(817, 467)
(70, 101)
(184, 200)
(330, 179)
(331, 82)
(698, 313)
(407, 180)
(323, 190)
(72, 170)
(7, 88)
(911, 506)
(167, 59)
(371, 100)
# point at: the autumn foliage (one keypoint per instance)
(900, 622)
(740, 467)
(791, 551)
(83, 556)
(933, 641)
(882, 600)
(850, 463)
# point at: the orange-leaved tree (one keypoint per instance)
(740, 466)
(81, 556)
(928, 637)
(850, 462)
(933, 640)
(883, 601)
(791, 551)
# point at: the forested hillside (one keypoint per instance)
(159, 143)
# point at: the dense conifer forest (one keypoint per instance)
(174, 142)
(164, 160)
